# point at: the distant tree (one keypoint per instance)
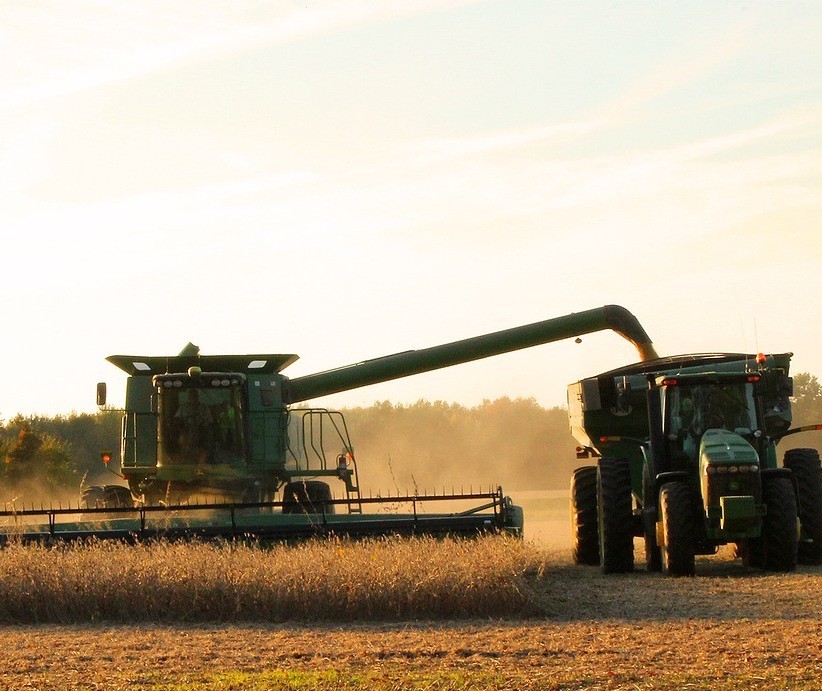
(84, 436)
(36, 466)
(807, 399)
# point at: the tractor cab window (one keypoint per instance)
(200, 425)
(691, 409)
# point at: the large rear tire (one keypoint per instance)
(779, 530)
(677, 529)
(615, 516)
(584, 522)
(805, 466)
(106, 497)
(307, 496)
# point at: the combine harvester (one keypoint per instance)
(212, 447)
(687, 461)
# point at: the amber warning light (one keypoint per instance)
(105, 456)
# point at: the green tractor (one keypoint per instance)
(687, 460)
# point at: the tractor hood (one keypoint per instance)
(720, 448)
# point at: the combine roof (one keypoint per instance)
(142, 365)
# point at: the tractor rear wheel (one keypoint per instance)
(677, 529)
(779, 535)
(615, 515)
(307, 496)
(805, 466)
(584, 524)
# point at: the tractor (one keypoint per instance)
(686, 459)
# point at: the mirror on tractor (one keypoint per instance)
(101, 394)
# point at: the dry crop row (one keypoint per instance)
(318, 580)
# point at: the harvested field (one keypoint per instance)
(559, 626)
(611, 654)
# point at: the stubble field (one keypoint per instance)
(558, 626)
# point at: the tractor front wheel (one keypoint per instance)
(615, 516)
(584, 524)
(677, 530)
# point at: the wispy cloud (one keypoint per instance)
(439, 150)
(53, 50)
(675, 73)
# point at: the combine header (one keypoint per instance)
(213, 446)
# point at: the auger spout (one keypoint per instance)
(412, 362)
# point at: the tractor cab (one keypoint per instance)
(694, 404)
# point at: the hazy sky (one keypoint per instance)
(345, 179)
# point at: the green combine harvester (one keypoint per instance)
(687, 461)
(216, 446)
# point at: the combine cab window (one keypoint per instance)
(200, 425)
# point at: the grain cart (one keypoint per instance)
(214, 446)
(687, 460)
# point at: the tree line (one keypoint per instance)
(423, 446)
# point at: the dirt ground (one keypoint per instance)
(728, 628)
(609, 654)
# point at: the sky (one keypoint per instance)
(344, 179)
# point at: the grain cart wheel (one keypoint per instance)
(615, 515)
(779, 534)
(677, 529)
(584, 524)
(805, 466)
(307, 496)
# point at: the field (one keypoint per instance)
(496, 614)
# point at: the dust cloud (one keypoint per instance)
(38, 494)
(513, 443)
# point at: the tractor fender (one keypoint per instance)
(671, 476)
